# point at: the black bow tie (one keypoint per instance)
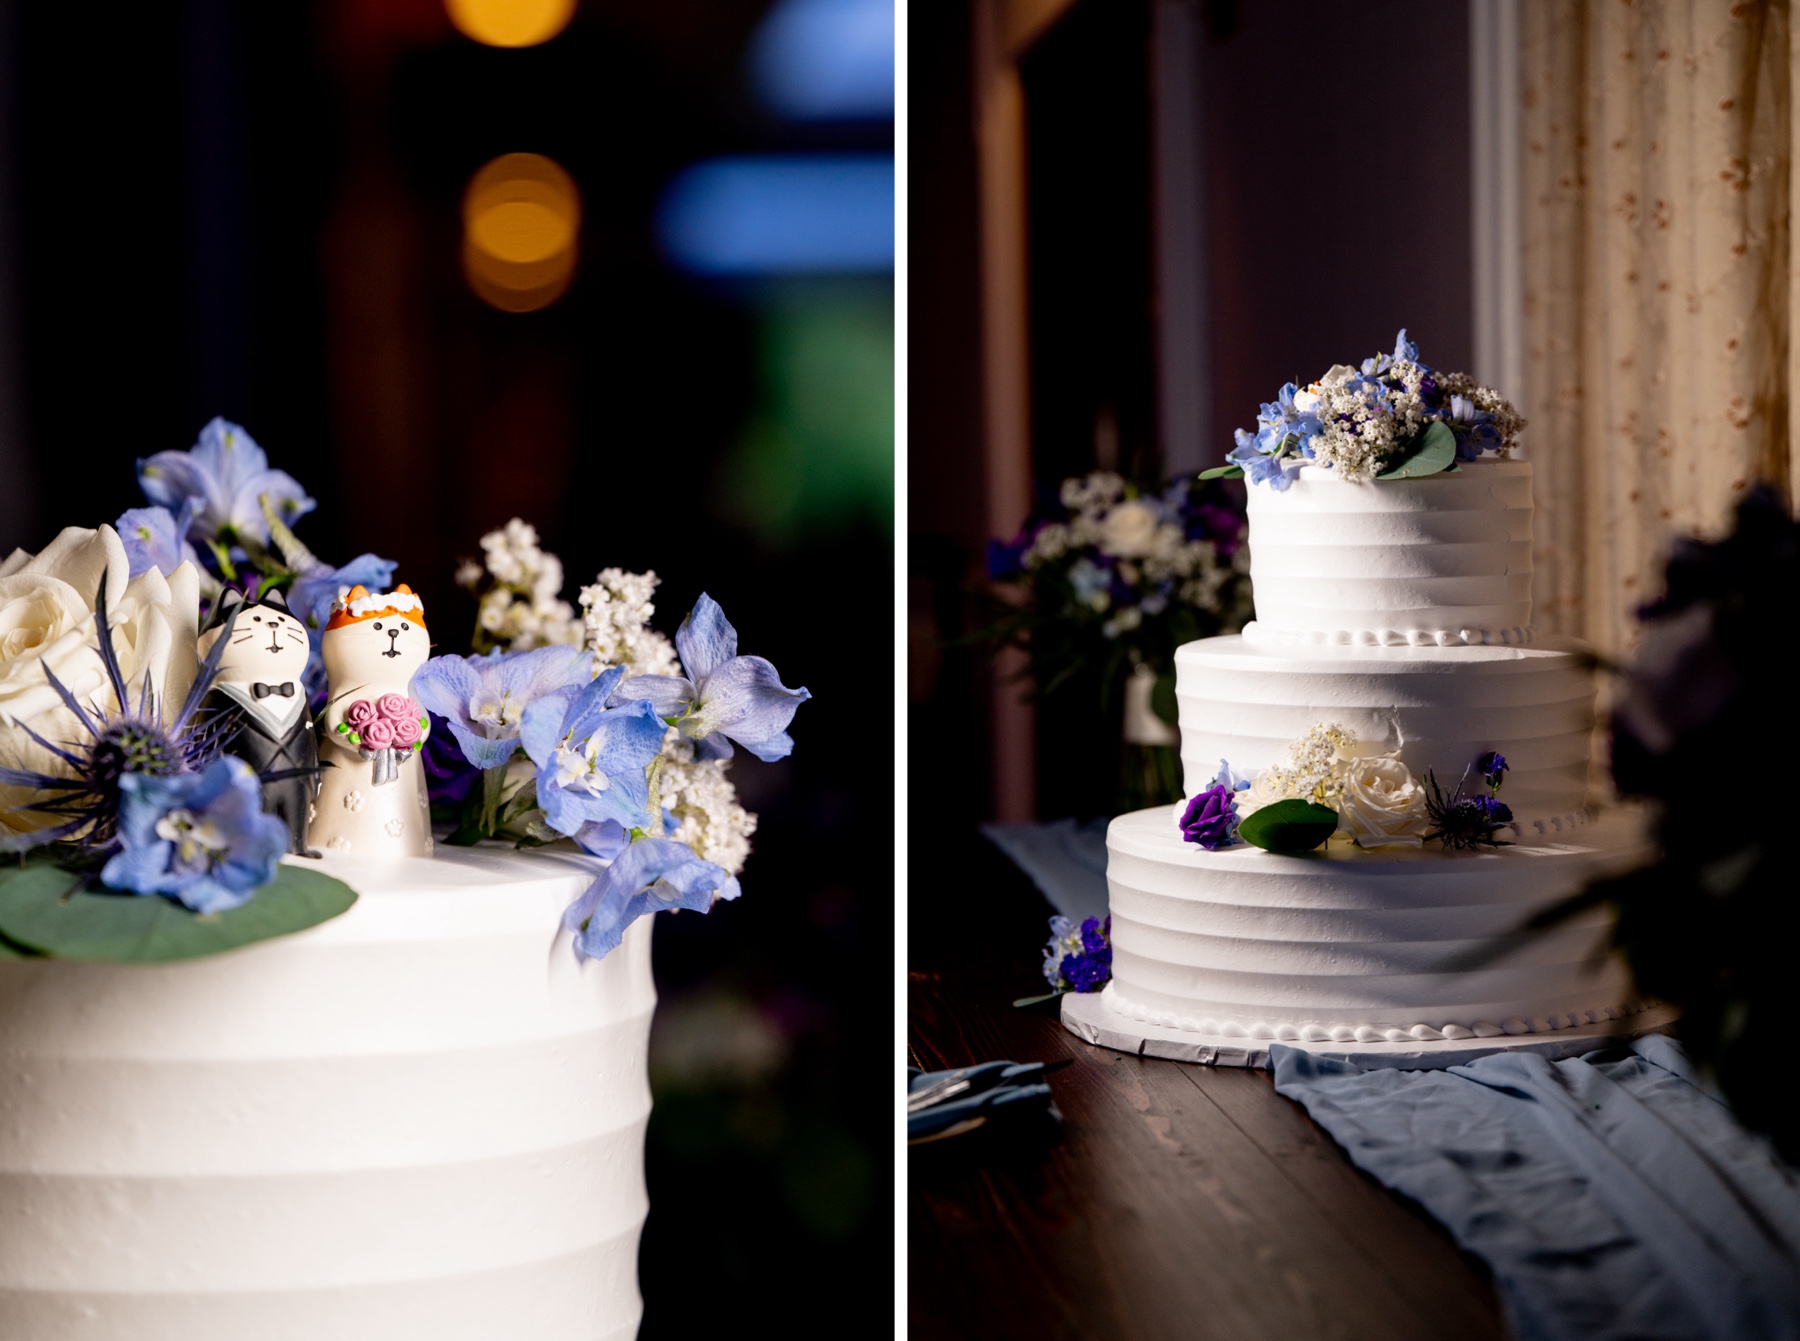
(264, 690)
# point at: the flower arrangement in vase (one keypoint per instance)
(1100, 586)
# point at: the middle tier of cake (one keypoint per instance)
(1438, 708)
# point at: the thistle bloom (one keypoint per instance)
(484, 698)
(723, 696)
(592, 758)
(227, 475)
(648, 876)
(199, 838)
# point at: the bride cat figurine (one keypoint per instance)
(372, 798)
(260, 684)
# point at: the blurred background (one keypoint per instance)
(621, 268)
(1131, 221)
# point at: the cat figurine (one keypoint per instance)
(372, 800)
(259, 683)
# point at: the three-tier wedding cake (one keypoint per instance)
(1398, 612)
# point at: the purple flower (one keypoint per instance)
(1096, 939)
(1211, 819)
(157, 538)
(1087, 973)
(1492, 766)
(449, 777)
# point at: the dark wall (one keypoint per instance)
(1337, 183)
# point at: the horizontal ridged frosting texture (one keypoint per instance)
(1245, 940)
(422, 1119)
(1439, 707)
(1444, 559)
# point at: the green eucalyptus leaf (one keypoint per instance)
(1223, 473)
(1024, 1001)
(1288, 826)
(43, 908)
(1432, 451)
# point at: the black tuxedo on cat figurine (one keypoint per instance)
(260, 685)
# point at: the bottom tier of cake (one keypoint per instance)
(421, 1120)
(1348, 945)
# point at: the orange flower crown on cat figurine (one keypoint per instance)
(358, 604)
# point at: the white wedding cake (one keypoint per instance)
(1398, 610)
(423, 1119)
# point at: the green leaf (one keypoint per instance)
(1432, 451)
(43, 908)
(1288, 826)
(1025, 1001)
(1223, 473)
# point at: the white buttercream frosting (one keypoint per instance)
(1437, 708)
(1346, 944)
(1440, 560)
(423, 1118)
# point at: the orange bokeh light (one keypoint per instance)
(521, 222)
(510, 23)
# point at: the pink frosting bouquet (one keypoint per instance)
(391, 722)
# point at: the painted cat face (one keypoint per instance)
(383, 651)
(263, 642)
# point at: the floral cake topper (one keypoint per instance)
(1394, 417)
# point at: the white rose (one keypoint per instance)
(1382, 804)
(1266, 788)
(1129, 530)
(47, 621)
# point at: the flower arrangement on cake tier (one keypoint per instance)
(1392, 418)
(1102, 584)
(1332, 787)
(601, 732)
(149, 817)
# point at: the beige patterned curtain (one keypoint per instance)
(1656, 184)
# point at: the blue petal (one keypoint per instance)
(705, 639)
(445, 685)
(541, 729)
(605, 839)
(746, 700)
(314, 592)
(670, 695)
(650, 875)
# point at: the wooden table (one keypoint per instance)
(1173, 1201)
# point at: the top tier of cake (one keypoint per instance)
(1439, 561)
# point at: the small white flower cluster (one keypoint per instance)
(1314, 771)
(1150, 549)
(1362, 420)
(1378, 801)
(700, 806)
(520, 586)
(615, 622)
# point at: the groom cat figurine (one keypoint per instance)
(259, 682)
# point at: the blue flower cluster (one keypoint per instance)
(1078, 959)
(220, 506)
(1282, 442)
(596, 743)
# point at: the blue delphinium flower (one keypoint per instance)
(484, 698)
(723, 696)
(228, 474)
(1474, 429)
(592, 758)
(320, 584)
(1078, 959)
(648, 876)
(1492, 767)
(1282, 442)
(199, 838)
(156, 538)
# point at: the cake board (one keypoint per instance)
(1088, 1017)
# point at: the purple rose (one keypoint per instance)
(1211, 819)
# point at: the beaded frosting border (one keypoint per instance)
(1313, 1032)
(1257, 634)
